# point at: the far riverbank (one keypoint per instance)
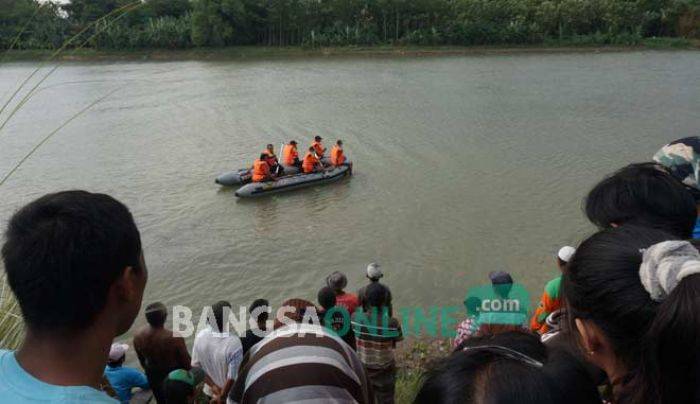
(262, 52)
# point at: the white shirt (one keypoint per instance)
(218, 354)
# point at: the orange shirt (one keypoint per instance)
(309, 163)
(261, 171)
(289, 154)
(318, 147)
(337, 156)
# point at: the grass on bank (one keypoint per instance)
(573, 44)
(11, 324)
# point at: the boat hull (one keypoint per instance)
(285, 184)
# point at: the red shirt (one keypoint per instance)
(347, 300)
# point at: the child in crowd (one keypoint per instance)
(123, 379)
(551, 298)
(339, 321)
(338, 281)
(376, 335)
(180, 386)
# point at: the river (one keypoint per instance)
(463, 164)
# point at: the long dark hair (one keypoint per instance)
(657, 342)
(511, 367)
(642, 194)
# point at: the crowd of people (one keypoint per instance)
(268, 167)
(620, 324)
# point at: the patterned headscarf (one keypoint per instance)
(682, 159)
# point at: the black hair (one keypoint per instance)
(62, 254)
(511, 367)
(218, 310)
(655, 341)
(156, 314)
(177, 392)
(642, 194)
(326, 297)
(263, 156)
(257, 303)
(377, 295)
(311, 149)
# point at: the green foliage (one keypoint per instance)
(314, 23)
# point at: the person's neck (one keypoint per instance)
(77, 359)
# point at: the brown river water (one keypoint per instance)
(463, 164)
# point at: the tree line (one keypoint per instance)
(31, 24)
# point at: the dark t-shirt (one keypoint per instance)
(248, 340)
(336, 324)
(362, 296)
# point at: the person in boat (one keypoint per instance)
(312, 162)
(261, 170)
(337, 155)
(272, 161)
(290, 155)
(318, 146)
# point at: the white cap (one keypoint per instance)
(117, 351)
(566, 253)
(373, 271)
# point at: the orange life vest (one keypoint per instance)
(318, 147)
(289, 154)
(261, 171)
(271, 159)
(337, 156)
(309, 163)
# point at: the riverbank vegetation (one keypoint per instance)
(183, 24)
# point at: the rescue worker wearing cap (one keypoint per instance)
(337, 155)
(272, 161)
(318, 146)
(290, 155)
(311, 162)
(261, 169)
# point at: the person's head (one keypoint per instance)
(318, 138)
(501, 282)
(270, 147)
(293, 143)
(642, 194)
(337, 281)
(512, 367)
(117, 355)
(339, 142)
(682, 159)
(377, 295)
(261, 307)
(326, 297)
(295, 309)
(564, 256)
(633, 300)
(73, 260)
(374, 272)
(179, 386)
(220, 310)
(311, 150)
(263, 156)
(156, 314)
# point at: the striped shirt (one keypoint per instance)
(301, 362)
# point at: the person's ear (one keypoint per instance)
(592, 339)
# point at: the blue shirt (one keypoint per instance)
(18, 386)
(124, 379)
(696, 230)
